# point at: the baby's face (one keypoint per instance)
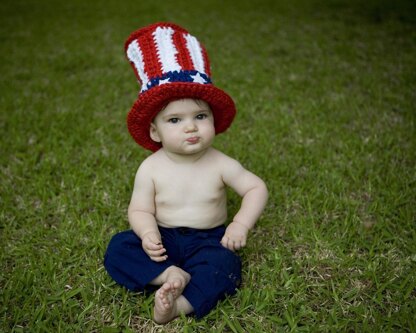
(185, 126)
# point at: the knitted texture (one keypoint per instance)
(171, 64)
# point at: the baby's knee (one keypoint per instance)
(214, 277)
(124, 240)
(228, 264)
(226, 259)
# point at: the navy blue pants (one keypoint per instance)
(215, 271)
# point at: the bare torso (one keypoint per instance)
(189, 194)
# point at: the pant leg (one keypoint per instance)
(215, 273)
(128, 264)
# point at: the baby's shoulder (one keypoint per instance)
(149, 164)
(222, 161)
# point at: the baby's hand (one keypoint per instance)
(153, 246)
(235, 236)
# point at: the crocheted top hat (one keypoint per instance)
(171, 64)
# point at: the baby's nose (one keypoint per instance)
(190, 127)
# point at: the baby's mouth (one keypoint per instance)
(193, 139)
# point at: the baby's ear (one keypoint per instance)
(154, 135)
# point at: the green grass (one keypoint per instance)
(326, 93)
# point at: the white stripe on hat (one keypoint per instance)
(195, 52)
(166, 50)
(135, 55)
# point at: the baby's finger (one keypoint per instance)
(223, 242)
(156, 253)
(242, 243)
(154, 246)
(159, 255)
(158, 258)
(230, 244)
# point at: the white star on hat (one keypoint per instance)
(163, 81)
(198, 78)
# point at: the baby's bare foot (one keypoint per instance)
(167, 307)
(165, 304)
(178, 279)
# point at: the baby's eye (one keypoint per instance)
(173, 120)
(201, 116)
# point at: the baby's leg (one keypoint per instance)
(216, 272)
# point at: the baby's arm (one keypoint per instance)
(141, 214)
(254, 197)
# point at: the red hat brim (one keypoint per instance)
(149, 103)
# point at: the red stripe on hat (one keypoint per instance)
(183, 57)
(152, 66)
(206, 60)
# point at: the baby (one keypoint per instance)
(179, 244)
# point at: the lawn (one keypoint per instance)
(326, 95)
